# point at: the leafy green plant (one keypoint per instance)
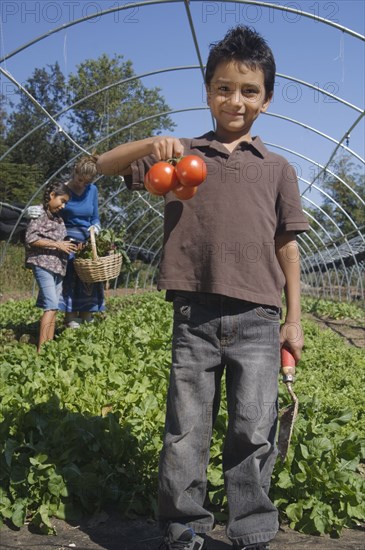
(14, 312)
(319, 490)
(333, 372)
(81, 422)
(332, 309)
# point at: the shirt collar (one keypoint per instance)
(209, 140)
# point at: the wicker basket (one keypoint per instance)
(98, 269)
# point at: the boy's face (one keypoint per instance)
(236, 97)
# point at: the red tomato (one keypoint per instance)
(182, 192)
(160, 178)
(191, 170)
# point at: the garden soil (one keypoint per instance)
(110, 532)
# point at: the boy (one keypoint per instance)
(228, 253)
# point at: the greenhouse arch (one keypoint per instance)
(333, 260)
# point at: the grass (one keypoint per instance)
(14, 277)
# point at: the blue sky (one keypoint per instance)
(158, 36)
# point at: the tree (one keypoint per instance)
(43, 148)
(343, 169)
(14, 177)
(105, 112)
(3, 117)
(116, 107)
(18, 183)
(44, 152)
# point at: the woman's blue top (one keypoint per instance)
(81, 212)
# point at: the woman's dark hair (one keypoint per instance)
(245, 45)
(56, 187)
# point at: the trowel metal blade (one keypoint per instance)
(287, 418)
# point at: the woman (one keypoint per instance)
(80, 300)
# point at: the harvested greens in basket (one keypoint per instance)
(101, 258)
(107, 242)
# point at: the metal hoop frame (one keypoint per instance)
(324, 269)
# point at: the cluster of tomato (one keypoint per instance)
(181, 176)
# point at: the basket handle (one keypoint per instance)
(93, 243)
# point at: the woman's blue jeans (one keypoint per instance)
(211, 334)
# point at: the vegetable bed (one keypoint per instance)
(81, 423)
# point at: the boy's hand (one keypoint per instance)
(164, 148)
(291, 336)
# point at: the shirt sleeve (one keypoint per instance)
(140, 167)
(95, 220)
(33, 232)
(290, 215)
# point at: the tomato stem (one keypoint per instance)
(174, 160)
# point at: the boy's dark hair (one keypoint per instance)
(245, 45)
(56, 187)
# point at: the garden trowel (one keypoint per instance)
(287, 415)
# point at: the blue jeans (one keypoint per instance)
(214, 333)
(50, 287)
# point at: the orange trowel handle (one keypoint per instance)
(287, 365)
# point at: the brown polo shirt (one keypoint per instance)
(222, 240)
